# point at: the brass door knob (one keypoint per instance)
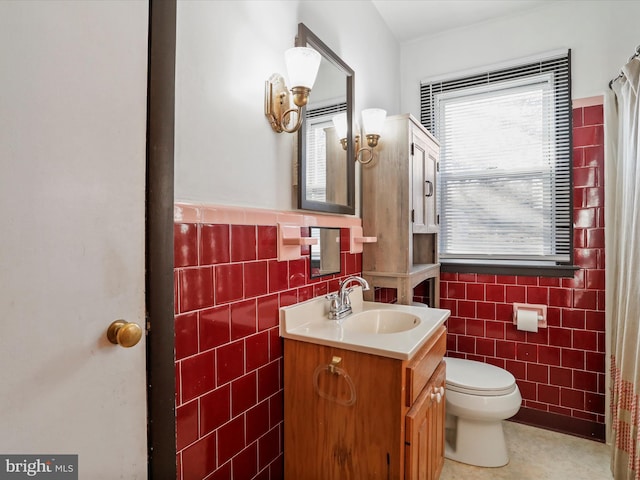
(123, 333)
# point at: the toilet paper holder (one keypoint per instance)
(540, 309)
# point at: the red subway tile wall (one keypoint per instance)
(559, 369)
(229, 286)
(390, 295)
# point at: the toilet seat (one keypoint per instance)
(477, 378)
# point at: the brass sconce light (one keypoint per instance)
(372, 121)
(302, 67)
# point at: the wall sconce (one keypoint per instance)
(372, 121)
(302, 67)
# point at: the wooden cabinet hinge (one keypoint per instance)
(438, 219)
(413, 215)
(412, 148)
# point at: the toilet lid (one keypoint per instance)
(477, 378)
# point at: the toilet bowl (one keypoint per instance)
(479, 396)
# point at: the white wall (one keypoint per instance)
(225, 151)
(602, 36)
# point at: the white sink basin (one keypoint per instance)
(396, 331)
(380, 322)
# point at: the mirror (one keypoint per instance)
(326, 176)
(325, 255)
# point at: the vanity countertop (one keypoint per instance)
(308, 322)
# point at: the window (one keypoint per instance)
(317, 120)
(505, 164)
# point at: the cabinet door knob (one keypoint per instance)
(437, 394)
(429, 188)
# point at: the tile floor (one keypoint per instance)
(537, 454)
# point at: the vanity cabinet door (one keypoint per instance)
(437, 424)
(424, 431)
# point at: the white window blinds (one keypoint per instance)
(505, 163)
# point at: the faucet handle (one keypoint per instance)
(345, 296)
(335, 301)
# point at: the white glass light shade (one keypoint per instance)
(373, 120)
(340, 124)
(302, 66)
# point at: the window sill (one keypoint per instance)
(521, 270)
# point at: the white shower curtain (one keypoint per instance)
(622, 240)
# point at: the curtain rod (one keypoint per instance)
(636, 54)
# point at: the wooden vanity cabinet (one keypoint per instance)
(385, 421)
(399, 193)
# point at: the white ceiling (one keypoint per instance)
(412, 19)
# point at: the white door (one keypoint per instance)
(72, 187)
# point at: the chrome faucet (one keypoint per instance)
(340, 305)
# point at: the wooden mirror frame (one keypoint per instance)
(305, 38)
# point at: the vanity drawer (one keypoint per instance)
(423, 364)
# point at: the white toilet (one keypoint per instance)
(479, 397)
